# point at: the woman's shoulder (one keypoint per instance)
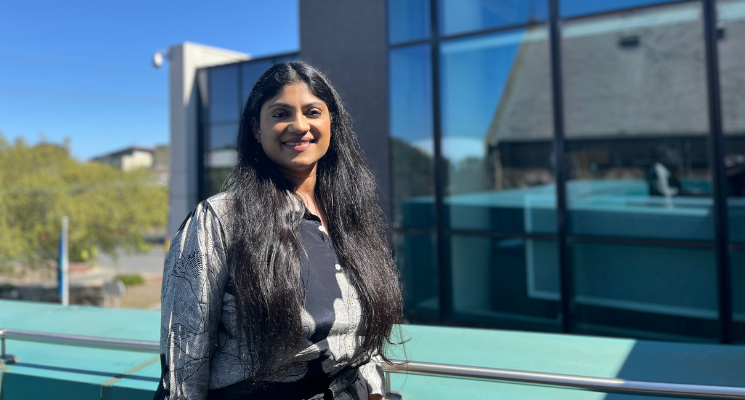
(219, 203)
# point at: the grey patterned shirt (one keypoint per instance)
(199, 346)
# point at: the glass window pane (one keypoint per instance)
(513, 282)
(637, 125)
(250, 73)
(220, 156)
(497, 130)
(573, 8)
(222, 136)
(223, 94)
(737, 259)
(667, 293)
(731, 48)
(412, 140)
(417, 263)
(408, 20)
(460, 16)
(284, 59)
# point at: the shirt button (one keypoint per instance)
(338, 267)
(321, 228)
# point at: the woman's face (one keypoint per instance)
(294, 128)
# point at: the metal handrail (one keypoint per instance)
(604, 385)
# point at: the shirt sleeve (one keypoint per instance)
(194, 279)
(372, 373)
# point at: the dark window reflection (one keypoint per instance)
(223, 94)
(220, 156)
(497, 129)
(412, 141)
(408, 20)
(514, 281)
(637, 124)
(731, 27)
(460, 16)
(667, 293)
(737, 261)
(416, 260)
(284, 59)
(573, 8)
(250, 73)
(222, 136)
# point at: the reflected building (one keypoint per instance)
(506, 164)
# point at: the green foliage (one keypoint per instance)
(109, 209)
(131, 280)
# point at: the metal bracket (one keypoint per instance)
(6, 359)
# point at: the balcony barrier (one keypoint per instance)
(577, 382)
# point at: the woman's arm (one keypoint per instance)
(194, 279)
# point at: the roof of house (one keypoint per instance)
(127, 151)
(626, 74)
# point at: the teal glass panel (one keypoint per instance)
(637, 124)
(649, 292)
(417, 264)
(461, 16)
(574, 8)
(510, 282)
(497, 132)
(224, 102)
(731, 47)
(412, 137)
(408, 20)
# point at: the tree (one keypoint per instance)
(109, 209)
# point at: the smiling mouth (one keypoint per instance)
(299, 145)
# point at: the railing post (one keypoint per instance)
(5, 358)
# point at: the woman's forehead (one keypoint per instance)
(294, 94)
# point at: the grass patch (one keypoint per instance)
(131, 280)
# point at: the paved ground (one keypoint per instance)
(41, 285)
(148, 263)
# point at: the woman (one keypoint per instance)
(283, 286)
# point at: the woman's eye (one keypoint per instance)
(315, 112)
(278, 114)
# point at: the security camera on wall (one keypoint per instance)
(157, 60)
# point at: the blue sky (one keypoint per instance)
(82, 69)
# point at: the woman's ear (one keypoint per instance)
(255, 129)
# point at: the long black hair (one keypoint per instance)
(264, 253)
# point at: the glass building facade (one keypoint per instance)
(555, 165)
(570, 166)
(222, 93)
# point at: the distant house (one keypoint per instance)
(128, 159)
(157, 159)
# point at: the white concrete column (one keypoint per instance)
(184, 60)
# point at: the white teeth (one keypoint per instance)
(296, 143)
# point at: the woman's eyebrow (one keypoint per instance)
(286, 105)
(279, 105)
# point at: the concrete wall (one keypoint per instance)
(184, 60)
(347, 41)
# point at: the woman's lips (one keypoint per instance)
(299, 145)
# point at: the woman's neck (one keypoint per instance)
(304, 184)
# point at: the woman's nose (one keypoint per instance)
(300, 124)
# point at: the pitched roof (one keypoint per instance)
(626, 74)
